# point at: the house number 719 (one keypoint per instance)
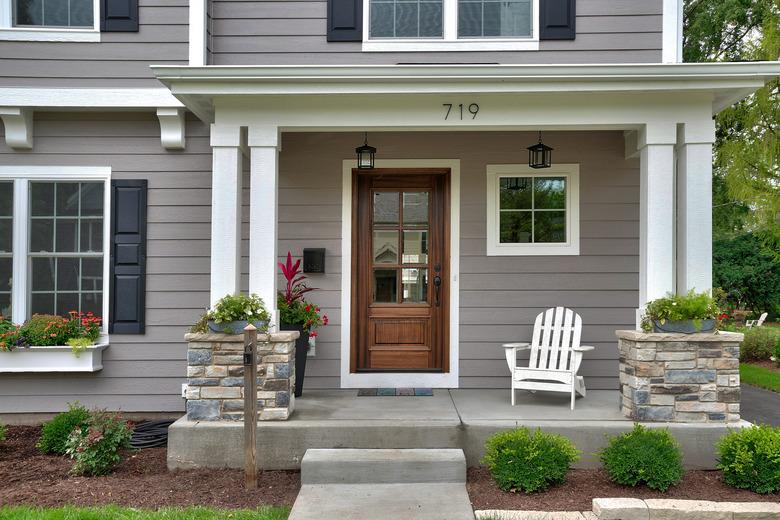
(472, 109)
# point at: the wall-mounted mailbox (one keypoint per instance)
(314, 260)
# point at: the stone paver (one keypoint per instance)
(663, 509)
(498, 514)
(760, 406)
(620, 509)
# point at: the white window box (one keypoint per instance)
(53, 359)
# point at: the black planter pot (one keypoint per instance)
(301, 351)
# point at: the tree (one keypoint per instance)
(749, 275)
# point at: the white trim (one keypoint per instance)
(672, 31)
(449, 41)
(22, 176)
(396, 379)
(18, 124)
(9, 32)
(54, 359)
(172, 131)
(572, 244)
(197, 45)
(131, 98)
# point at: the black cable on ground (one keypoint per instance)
(150, 434)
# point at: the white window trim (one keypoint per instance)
(450, 40)
(572, 244)
(47, 34)
(22, 176)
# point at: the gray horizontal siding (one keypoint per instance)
(499, 296)
(294, 32)
(141, 373)
(118, 60)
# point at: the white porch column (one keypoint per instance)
(694, 206)
(656, 211)
(264, 180)
(225, 211)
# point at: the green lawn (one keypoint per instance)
(759, 376)
(126, 513)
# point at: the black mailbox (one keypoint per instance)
(314, 260)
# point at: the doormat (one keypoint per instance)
(388, 392)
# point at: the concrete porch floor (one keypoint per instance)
(461, 418)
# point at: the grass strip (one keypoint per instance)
(759, 376)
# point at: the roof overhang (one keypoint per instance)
(197, 87)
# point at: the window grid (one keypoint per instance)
(16, 9)
(54, 255)
(533, 209)
(373, 4)
(505, 3)
(6, 246)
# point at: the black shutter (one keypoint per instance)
(119, 15)
(345, 20)
(557, 19)
(128, 257)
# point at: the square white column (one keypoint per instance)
(225, 211)
(656, 212)
(263, 214)
(694, 206)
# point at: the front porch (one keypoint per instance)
(455, 418)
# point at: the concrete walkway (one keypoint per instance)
(760, 406)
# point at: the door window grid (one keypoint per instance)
(66, 265)
(412, 284)
(6, 246)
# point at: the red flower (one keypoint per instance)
(307, 308)
(313, 334)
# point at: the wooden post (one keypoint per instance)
(250, 406)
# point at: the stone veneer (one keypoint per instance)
(680, 377)
(215, 376)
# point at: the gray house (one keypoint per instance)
(159, 154)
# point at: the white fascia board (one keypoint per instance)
(89, 98)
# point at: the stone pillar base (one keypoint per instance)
(215, 376)
(680, 377)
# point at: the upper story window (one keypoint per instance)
(50, 20)
(451, 25)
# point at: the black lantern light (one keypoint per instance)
(539, 155)
(365, 155)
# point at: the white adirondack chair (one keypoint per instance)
(757, 323)
(556, 355)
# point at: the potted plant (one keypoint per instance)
(233, 312)
(682, 313)
(47, 343)
(295, 313)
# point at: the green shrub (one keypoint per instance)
(677, 307)
(239, 307)
(750, 458)
(96, 449)
(777, 351)
(759, 343)
(643, 456)
(3, 432)
(529, 461)
(55, 433)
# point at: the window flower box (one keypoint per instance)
(53, 359)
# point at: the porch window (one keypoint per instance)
(53, 234)
(533, 213)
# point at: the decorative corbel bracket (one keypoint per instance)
(171, 128)
(18, 124)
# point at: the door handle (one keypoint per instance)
(437, 289)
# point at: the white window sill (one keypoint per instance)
(462, 45)
(54, 359)
(533, 250)
(31, 34)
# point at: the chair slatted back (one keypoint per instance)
(556, 331)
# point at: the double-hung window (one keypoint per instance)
(458, 25)
(56, 259)
(50, 20)
(531, 211)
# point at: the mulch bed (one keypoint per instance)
(583, 485)
(142, 480)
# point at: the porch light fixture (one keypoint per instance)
(365, 155)
(539, 155)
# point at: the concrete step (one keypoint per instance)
(383, 466)
(382, 502)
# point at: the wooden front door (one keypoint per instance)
(400, 268)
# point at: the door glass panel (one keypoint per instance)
(385, 286)
(386, 247)
(385, 207)
(415, 208)
(415, 247)
(415, 285)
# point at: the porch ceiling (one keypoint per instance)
(197, 87)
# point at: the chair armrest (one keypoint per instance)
(517, 346)
(583, 348)
(510, 351)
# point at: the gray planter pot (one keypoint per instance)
(236, 327)
(683, 326)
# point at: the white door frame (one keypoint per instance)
(400, 379)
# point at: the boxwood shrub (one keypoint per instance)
(529, 461)
(56, 432)
(750, 458)
(643, 456)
